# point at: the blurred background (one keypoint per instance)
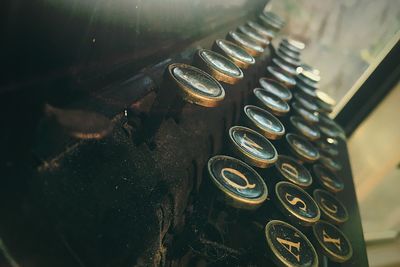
(346, 40)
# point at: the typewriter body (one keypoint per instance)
(175, 134)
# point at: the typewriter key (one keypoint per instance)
(303, 128)
(308, 68)
(288, 60)
(306, 90)
(238, 55)
(182, 83)
(296, 204)
(245, 42)
(291, 170)
(261, 30)
(289, 53)
(309, 77)
(329, 162)
(332, 242)
(218, 66)
(196, 86)
(276, 88)
(264, 122)
(307, 115)
(252, 147)
(279, 76)
(286, 68)
(331, 208)
(253, 35)
(270, 23)
(302, 148)
(327, 179)
(289, 246)
(294, 45)
(274, 17)
(328, 146)
(271, 102)
(311, 86)
(241, 186)
(324, 101)
(306, 102)
(329, 127)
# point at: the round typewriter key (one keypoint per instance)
(245, 42)
(306, 90)
(271, 102)
(242, 187)
(329, 127)
(327, 178)
(310, 86)
(329, 162)
(293, 45)
(289, 246)
(328, 146)
(309, 77)
(286, 68)
(264, 122)
(308, 68)
(218, 66)
(324, 101)
(291, 170)
(305, 129)
(331, 208)
(276, 88)
(296, 204)
(332, 242)
(270, 23)
(252, 147)
(253, 35)
(274, 17)
(261, 30)
(196, 86)
(290, 53)
(288, 60)
(306, 102)
(307, 115)
(238, 55)
(281, 77)
(302, 148)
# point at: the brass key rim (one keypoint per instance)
(318, 169)
(263, 81)
(301, 168)
(233, 199)
(285, 208)
(189, 95)
(246, 43)
(213, 70)
(239, 60)
(325, 212)
(330, 254)
(273, 135)
(275, 253)
(261, 30)
(296, 120)
(274, 110)
(248, 157)
(303, 156)
(254, 35)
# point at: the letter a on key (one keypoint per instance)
(290, 246)
(328, 239)
(236, 173)
(295, 200)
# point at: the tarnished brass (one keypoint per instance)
(254, 35)
(276, 74)
(237, 54)
(289, 246)
(264, 122)
(196, 86)
(252, 147)
(276, 88)
(327, 179)
(307, 115)
(292, 170)
(305, 129)
(246, 43)
(286, 68)
(241, 186)
(296, 204)
(332, 242)
(269, 34)
(271, 102)
(218, 66)
(331, 208)
(302, 148)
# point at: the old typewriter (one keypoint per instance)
(218, 152)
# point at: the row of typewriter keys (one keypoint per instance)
(286, 111)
